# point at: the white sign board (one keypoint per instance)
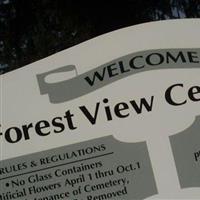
(116, 117)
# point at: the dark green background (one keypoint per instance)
(33, 29)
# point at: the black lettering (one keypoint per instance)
(151, 59)
(192, 56)
(122, 68)
(107, 110)
(91, 118)
(168, 95)
(26, 130)
(57, 122)
(121, 107)
(97, 76)
(16, 132)
(69, 116)
(111, 68)
(143, 103)
(132, 63)
(180, 56)
(40, 126)
(192, 91)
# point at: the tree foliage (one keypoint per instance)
(33, 29)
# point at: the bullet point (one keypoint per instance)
(7, 184)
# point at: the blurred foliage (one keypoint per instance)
(33, 29)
